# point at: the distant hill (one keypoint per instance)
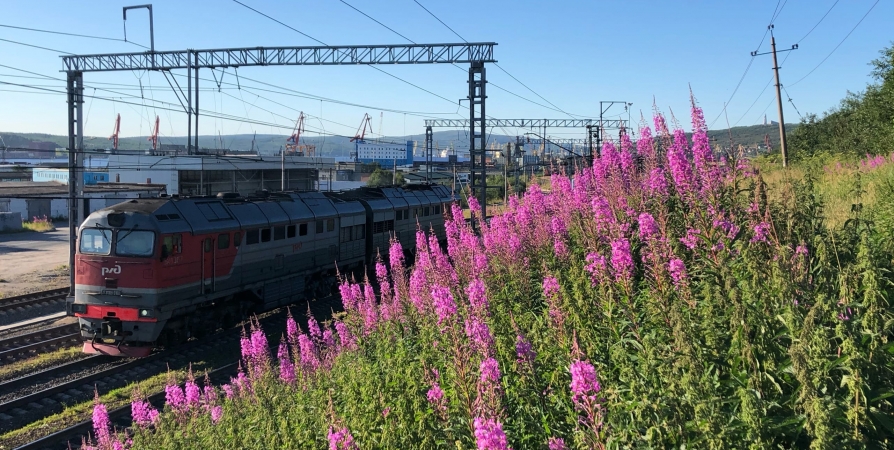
(749, 136)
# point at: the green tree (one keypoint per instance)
(381, 177)
(863, 122)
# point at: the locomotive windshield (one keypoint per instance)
(135, 243)
(96, 241)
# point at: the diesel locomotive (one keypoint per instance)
(155, 271)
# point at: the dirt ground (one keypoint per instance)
(32, 261)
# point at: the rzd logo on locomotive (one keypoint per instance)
(111, 270)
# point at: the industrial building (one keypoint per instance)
(210, 174)
(384, 154)
(50, 199)
(61, 176)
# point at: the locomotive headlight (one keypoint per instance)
(145, 313)
(78, 308)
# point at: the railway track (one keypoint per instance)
(29, 344)
(35, 298)
(120, 418)
(28, 399)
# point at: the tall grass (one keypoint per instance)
(39, 224)
(668, 303)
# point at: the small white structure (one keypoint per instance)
(38, 199)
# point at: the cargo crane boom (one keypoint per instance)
(361, 131)
(154, 137)
(114, 136)
(293, 145)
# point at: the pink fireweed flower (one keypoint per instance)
(245, 347)
(559, 248)
(681, 171)
(551, 287)
(260, 347)
(174, 397)
(801, 250)
(490, 371)
(597, 267)
(477, 295)
(369, 309)
(209, 394)
(349, 296)
(193, 394)
(228, 391)
(435, 395)
(292, 329)
(286, 368)
(418, 285)
(381, 271)
(479, 335)
(101, 423)
(445, 306)
(648, 228)
(216, 414)
(341, 440)
(677, 270)
(396, 257)
(143, 413)
(555, 443)
(603, 215)
(628, 166)
(644, 146)
(584, 384)
(328, 338)
(345, 337)
(313, 327)
(310, 361)
(691, 239)
(655, 183)
(524, 351)
(760, 232)
(557, 226)
(489, 434)
(622, 261)
(729, 229)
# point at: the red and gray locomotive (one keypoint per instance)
(155, 271)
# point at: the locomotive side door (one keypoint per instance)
(207, 284)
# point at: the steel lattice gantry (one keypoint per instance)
(474, 54)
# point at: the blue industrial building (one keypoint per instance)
(61, 176)
(386, 155)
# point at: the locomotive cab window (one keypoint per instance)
(135, 243)
(302, 229)
(290, 231)
(96, 242)
(223, 241)
(437, 209)
(171, 244)
(265, 235)
(319, 226)
(426, 211)
(330, 225)
(251, 237)
(207, 245)
(279, 233)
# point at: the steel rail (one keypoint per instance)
(26, 300)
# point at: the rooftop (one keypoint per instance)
(21, 189)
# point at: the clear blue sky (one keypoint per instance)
(573, 53)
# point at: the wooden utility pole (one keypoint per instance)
(783, 148)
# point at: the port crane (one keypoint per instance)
(293, 145)
(154, 137)
(361, 131)
(114, 136)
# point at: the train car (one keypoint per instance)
(154, 272)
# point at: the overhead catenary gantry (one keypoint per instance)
(474, 54)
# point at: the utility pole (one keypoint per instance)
(783, 147)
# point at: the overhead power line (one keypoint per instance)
(496, 64)
(819, 22)
(71, 34)
(36, 46)
(839, 44)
